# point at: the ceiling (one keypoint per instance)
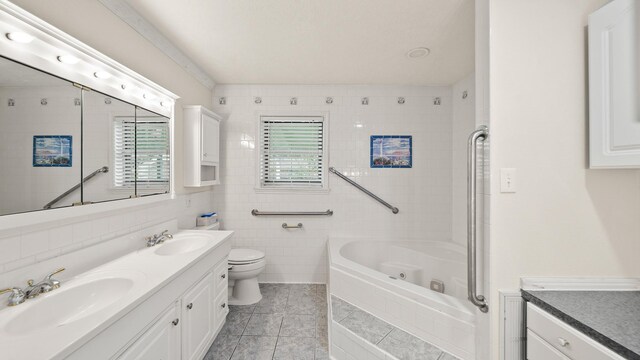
(320, 41)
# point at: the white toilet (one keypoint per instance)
(244, 267)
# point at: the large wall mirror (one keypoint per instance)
(63, 145)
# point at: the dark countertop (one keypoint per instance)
(611, 318)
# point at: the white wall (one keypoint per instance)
(422, 193)
(565, 220)
(93, 24)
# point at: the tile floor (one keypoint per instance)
(401, 345)
(290, 322)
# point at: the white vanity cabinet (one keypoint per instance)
(549, 338)
(201, 146)
(179, 321)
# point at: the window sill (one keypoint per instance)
(292, 190)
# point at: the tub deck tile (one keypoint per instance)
(394, 341)
(367, 326)
(405, 346)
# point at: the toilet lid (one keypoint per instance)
(243, 256)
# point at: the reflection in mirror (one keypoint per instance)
(108, 149)
(39, 140)
(153, 164)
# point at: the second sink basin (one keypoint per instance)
(183, 243)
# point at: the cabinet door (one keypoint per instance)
(160, 342)
(210, 140)
(614, 108)
(198, 316)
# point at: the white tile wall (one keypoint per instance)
(25, 250)
(463, 125)
(423, 193)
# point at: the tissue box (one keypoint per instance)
(207, 219)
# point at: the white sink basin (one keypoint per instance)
(64, 306)
(183, 243)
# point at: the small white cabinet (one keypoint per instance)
(614, 90)
(201, 146)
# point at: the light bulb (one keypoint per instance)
(20, 37)
(68, 59)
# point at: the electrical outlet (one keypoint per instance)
(187, 203)
(507, 180)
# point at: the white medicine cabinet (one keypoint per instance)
(201, 146)
(614, 82)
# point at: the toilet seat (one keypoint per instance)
(245, 256)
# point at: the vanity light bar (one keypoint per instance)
(91, 68)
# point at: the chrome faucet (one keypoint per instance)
(18, 296)
(47, 284)
(158, 238)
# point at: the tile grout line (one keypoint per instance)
(384, 337)
(242, 334)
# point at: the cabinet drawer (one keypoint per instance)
(538, 349)
(221, 276)
(221, 306)
(565, 338)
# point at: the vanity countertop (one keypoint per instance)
(611, 318)
(144, 272)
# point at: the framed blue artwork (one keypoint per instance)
(52, 151)
(391, 151)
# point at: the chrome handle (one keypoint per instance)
(478, 300)
(17, 296)
(286, 226)
(175, 322)
(54, 283)
(563, 342)
(223, 276)
(230, 268)
(56, 272)
(190, 306)
(224, 305)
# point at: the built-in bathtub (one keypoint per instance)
(392, 280)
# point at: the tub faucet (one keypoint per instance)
(158, 238)
(47, 284)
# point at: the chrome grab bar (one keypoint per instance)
(287, 226)
(103, 169)
(478, 300)
(255, 212)
(359, 187)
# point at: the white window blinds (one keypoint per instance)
(152, 153)
(292, 152)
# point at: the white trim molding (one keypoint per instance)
(143, 27)
(580, 283)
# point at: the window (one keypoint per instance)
(152, 152)
(292, 152)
